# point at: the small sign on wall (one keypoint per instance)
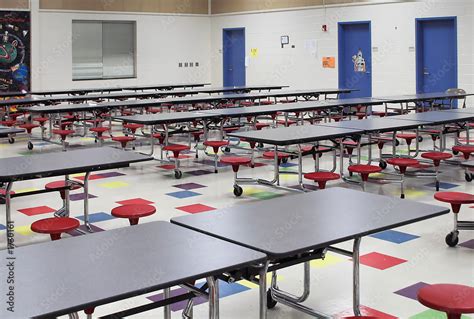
(329, 62)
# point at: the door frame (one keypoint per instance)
(224, 30)
(340, 29)
(419, 56)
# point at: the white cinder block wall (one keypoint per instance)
(393, 33)
(162, 42)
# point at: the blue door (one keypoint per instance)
(436, 54)
(355, 58)
(233, 48)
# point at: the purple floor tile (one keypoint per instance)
(468, 244)
(411, 291)
(189, 186)
(80, 196)
(179, 305)
(199, 172)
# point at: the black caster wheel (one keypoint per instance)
(11, 140)
(178, 174)
(133, 148)
(383, 164)
(437, 186)
(260, 145)
(284, 160)
(420, 139)
(351, 174)
(397, 142)
(238, 191)
(271, 303)
(468, 177)
(452, 239)
(455, 152)
(402, 196)
(30, 146)
(2, 201)
(227, 149)
(95, 141)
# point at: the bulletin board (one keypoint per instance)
(15, 57)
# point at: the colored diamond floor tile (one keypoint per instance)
(395, 263)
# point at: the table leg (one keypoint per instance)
(356, 278)
(86, 202)
(167, 308)
(300, 167)
(213, 297)
(262, 282)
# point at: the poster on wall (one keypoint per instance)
(14, 51)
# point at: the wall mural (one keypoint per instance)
(14, 51)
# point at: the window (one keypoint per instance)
(103, 50)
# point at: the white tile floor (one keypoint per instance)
(429, 260)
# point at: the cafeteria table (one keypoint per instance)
(9, 132)
(296, 229)
(73, 274)
(15, 169)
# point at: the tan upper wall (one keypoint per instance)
(229, 6)
(149, 6)
(14, 4)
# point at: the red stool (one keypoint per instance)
(3, 192)
(123, 140)
(41, 121)
(236, 162)
(456, 199)
(322, 178)
(99, 132)
(176, 149)
(408, 137)
(8, 123)
(63, 135)
(454, 300)
(59, 186)
(436, 157)
(133, 212)
(466, 150)
(364, 171)
(266, 102)
(281, 157)
(286, 122)
(55, 226)
(132, 127)
(247, 103)
(215, 146)
(403, 164)
(29, 128)
(65, 125)
(259, 126)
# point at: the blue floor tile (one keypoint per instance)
(394, 236)
(183, 194)
(97, 217)
(442, 185)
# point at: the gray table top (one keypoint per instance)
(295, 134)
(165, 86)
(164, 118)
(422, 97)
(294, 224)
(353, 102)
(436, 117)
(108, 266)
(467, 110)
(63, 163)
(5, 131)
(64, 108)
(371, 125)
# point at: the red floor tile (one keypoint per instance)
(196, 208)
(380, 261)
(167, 166)
(365, 311)
(135, 201)
(32, 211)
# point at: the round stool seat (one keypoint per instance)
(40, 120)
(246, 103)
(467, 150)
(403, 163)
(61, 184)
(436, 157)
(133, 212)
(29, 127)
(123, 140)
(101, 129)
(55, 226)
(408, 137)
(236, 161)
(8, 123)
(449, 298)
(364, 170)
(259, 125)
(231, 129)
(455, 197)
(266, 102)
(271, 154)
(132, 126)
(63, 133)
(322, 178)
(176, 149)
(286, 122)
(216, 144)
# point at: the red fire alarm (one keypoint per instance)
(324, 27)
